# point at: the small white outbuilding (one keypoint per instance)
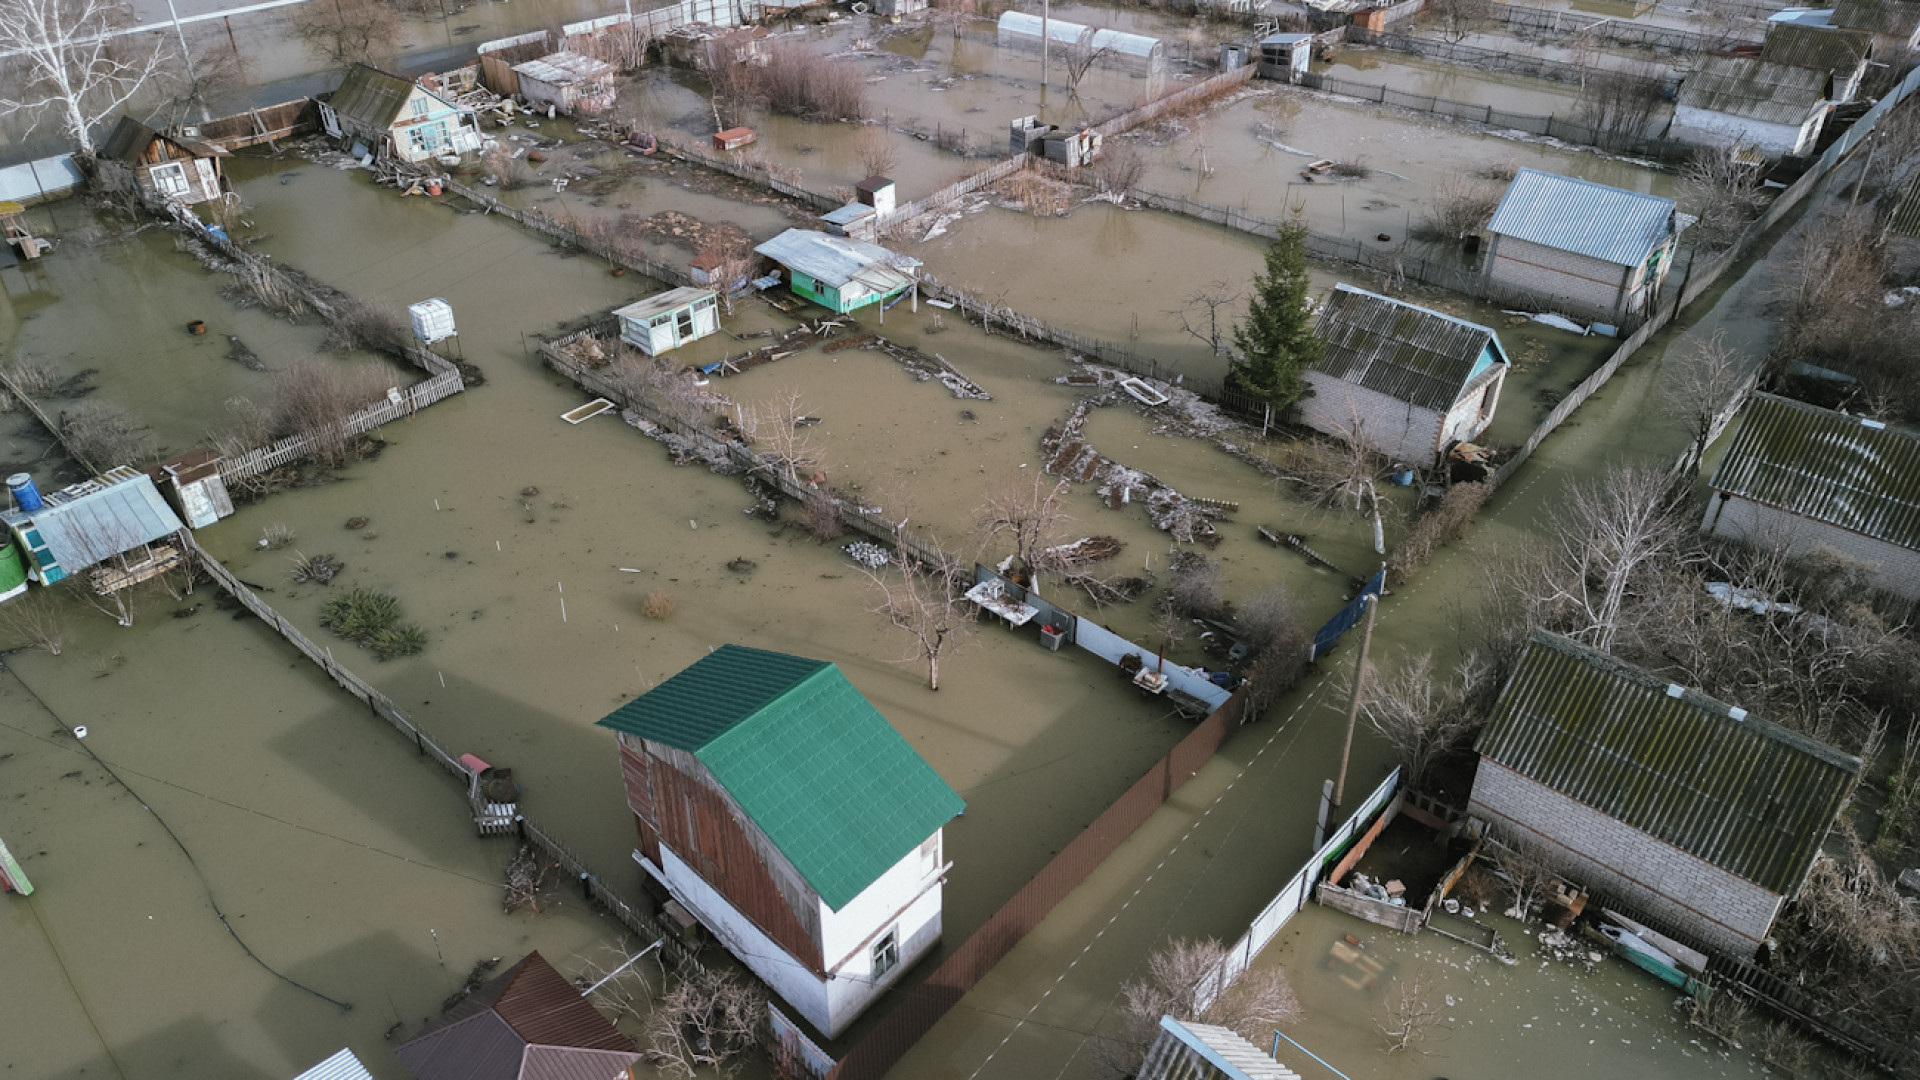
(670, 319)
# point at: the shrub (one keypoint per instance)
(405, 639)
(103, 437)
(360, 614)
(314, 397)
(800, 81)
(1445, 523)
(366, 324)
(657, 605)
(276, 536)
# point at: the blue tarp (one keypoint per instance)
(1343, 620)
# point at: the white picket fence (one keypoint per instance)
(296, 447)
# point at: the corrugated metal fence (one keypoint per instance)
(1623, 31)
(1699, 281)
(1500, 60)
(429, 747)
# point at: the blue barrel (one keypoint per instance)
(20, 486)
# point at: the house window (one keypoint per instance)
(170, 180)
(886, 952)
(685, 323)
(422, 105)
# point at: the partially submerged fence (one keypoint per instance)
(1698, 281)
(1569, 25)
(1292, 896)
(1497, 60)
(1551, 125)
(429, 747)
(402, 404)
(570, 235)
(922, 1006)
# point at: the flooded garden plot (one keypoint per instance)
(108, 324)
(1491, 1020)
(1250, 153)
(345, 863)
(1433, 78)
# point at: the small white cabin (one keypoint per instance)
(669, 320)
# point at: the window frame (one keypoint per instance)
(177, 170)
(885, 954)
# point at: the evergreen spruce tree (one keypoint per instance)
(1276, 341)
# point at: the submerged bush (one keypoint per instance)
(372, 620)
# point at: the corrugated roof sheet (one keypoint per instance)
(1601, 222)
(127, 140)
(1230, 1055)
(491, 1033)
(91, 527)
(341, 1066)
(371, 97)
(477, 1047)
(1827, 466)
(1405, 352)
(1749, 87)
(1743, 794)
(565, 69)
(808, 759)
(1835, 51)
(1889, 17)
(661, 303)
(834, 260)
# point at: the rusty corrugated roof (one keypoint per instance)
(1408, 353)
(1846, 471)
(526, 1023)
(1731, 789)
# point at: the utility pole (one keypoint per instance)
(1353, 705)
(1046, 47)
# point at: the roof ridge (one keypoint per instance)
(1705, 704)
(1564, 178)
(1865, 423)
(1341, 286)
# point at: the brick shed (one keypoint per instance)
(1402, 379)
(1692, 810)
(1580, 247)
(1803, 478)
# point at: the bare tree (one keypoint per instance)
(1027, 516)
(72, 62)
(1462, 205)
(1527, 873)
(1200, 317)
(1423, 718)
(1702, 384)
(926, 602)
(731, 264)
(876, 151)
(313, 397)
(1606, 540)
(1618, 103)
(1457, 20)
(780, 438)
(33, 621)
(708, 1018)
(1411, 1015)
(1119, 170)
(1183, 980)
(1079, 60)
(1721, 187)
(349, 31)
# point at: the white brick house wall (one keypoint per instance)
(1895, 569)
(1395, 428)
(1701, 127)
(1604, 852)
(1581, 284)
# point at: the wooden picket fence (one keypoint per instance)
(299, 447)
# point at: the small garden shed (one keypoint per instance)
(1687, 808)
(1803, 478)
(160, 168)
(1404, 380)
(837, 272)
(567, 82)
(1581, 247)
(668, 320)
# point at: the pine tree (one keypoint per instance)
(1276, 341)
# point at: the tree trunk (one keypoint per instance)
(933, 671)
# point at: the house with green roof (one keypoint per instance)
(1801, 478)
(782, 811)
(1686, 808)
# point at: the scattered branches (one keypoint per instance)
(708, 1018)
(1178, 976)
(1412, 1014)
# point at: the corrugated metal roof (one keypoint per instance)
(100, 521)
(341, 1066)
(1601, 222)
(833, 260)
(1835, 51)
(545, 1009)
(477, 1047)
(1888, 17)
(809, 759)
(371, 97)
(565, 69)
(1827, 466)
(1749, 87)
(1743, 794)
(1059, 31)
(1172, 1055)
(127, 140)
(1405, 352)
(571, 1063)
(661, 303)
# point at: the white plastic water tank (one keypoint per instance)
(432, 320)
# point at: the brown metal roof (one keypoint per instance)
(527, 1016)
(544, 1008)
(479, 1047)
(1730, 789)
(1842, 470)
(1408, 353)
(569, 1063)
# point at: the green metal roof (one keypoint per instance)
(815, 766)
(1747, 796)
(1848, 472)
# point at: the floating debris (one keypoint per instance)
(238, 352)
(870, 555)
(319, 569)
(354, 524)
(743, 566)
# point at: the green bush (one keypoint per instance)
(372, 620)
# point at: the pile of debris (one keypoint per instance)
(868, 554)
(585, 350)
(683, 449)
(926, 367)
